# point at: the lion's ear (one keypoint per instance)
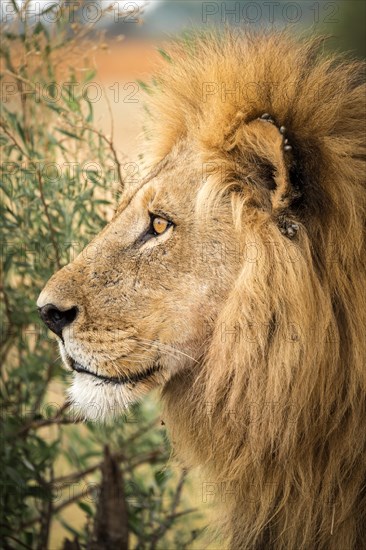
(266, 160)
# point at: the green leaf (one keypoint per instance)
(39, 28)
(49, 8)
(89, 75)
(90, 115)
(68, 527)
(144, 86)
(68, 134)
(86, 508)
(165, 55)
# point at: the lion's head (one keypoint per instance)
(132, 310)
(233, 277)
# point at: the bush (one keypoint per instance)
(60, 177)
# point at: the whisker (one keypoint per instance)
(169, 348)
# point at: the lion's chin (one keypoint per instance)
(92, 399)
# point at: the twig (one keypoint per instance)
(162, 529)
(57, 419)
(110, 145)
(16, 8)
(141, 432)
(11, 537)
(75, 498)
(78, 475)
(6, 131)
(9, 319)
(172, 517)
(66, 480)
(109, 111)
(62, 505)
(41, 394)
(119, 456)
(46, 519)
(50, 226)
(154, 456)
(114, 153)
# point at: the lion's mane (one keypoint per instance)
(275, 414)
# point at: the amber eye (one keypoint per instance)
(159, 225)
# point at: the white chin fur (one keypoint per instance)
(97, 401)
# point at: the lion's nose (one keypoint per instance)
(56, 319)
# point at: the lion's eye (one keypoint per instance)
(159, 225)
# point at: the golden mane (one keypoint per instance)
(275, 414)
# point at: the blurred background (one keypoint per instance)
(73, 79)
(134, 31)
(133, 41)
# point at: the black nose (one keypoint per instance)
(56, 319)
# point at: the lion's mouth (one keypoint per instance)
(130, 379)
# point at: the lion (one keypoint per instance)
(232, 277)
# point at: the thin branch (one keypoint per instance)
(20, 77)
(113, 151)
(118, 456)
(76, 476)
(50, 226)
(44, 388)
(6, 131)
(109, 143)
(75, 498)
(57, 419)
(172, 517)
(162, 529)
(62, 505)
(16, 8)
(11, 537)
(141, 432)
(8, 334)
(109, 111)
(46, 519)
(151, 458)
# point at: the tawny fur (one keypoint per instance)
(278, 418)
(261, 348)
